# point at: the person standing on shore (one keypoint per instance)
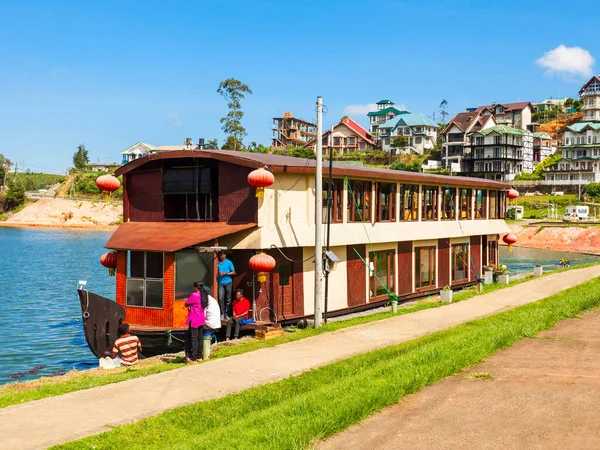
(195, 321)
(225, 281)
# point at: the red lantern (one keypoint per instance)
(109, 260)
(108, 183)
(262, 263)
(510, 239)
(260, 179)
(512, 194)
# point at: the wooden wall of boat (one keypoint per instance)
(475, 245)
(237, 200)
(144, 196)
(405, 264)
(147, 316)
(444, 262)
(356, 275)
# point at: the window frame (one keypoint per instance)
(365, 200)
(390, 275)
(482, 206)
(453, 205)
(465, 263)
(391, 202)
(145, 279)
(431, 256)
(469, 206)
(337, 194)
(414, 210)
(434, 215)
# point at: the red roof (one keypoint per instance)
(354, 126)
(169, 236)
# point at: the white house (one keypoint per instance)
(420, 133)
(386, 110)
(590, 95)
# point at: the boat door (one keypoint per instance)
(286, 289)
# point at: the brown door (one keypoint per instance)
(286, 291)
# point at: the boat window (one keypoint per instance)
(460, 265)
(145, 281)
(189, 192)
(480, 203)
(337, 191)
(424, 267)
(449, 204)
(464, 203)
(359, 201)
(386, 202)
(493, 199)
(381, 273)
(429, 202)
(191, 267)
(409, 202)
(492, 253)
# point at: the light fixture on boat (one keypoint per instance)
(81, 285)
(330, 261)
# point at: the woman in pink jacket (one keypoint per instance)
(195, 321)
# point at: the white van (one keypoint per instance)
(519, 211)
(574, 213)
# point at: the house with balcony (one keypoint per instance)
(590, 95)
(345, 137)
(419, 133)
(455, 135)
(516, 115)
(289, 130)
(386, 110)
(542, 146)
(580, 162)
(498, 153)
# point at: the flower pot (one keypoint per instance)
(394, 306)
(446, 296)
(538, 271)
(488, 277)
(504, 278)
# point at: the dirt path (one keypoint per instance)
(545, 393)
(82, 413)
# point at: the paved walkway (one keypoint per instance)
(59, 419)
(544, 394)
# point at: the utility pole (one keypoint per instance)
(319, 217)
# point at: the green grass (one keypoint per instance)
(298, 411)
(479, 376)
(18, 392)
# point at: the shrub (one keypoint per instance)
(15, 196)
(593, 189)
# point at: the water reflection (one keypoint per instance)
(522, 260)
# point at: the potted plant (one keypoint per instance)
(488, 276)
(503, 274)
(446, 294)
(538, 270)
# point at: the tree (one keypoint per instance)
(4, 167)
(302, 152)
(15, 195)
(257, 148)
(29, 185)
(234, 92)
(444, 110)
(81, 158)
(212, 144)
(400, 142)
(233, 143)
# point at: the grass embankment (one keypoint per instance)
(21, 392)
(296, 412)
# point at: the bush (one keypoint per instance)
(408, 167)
(593, 189)
(15, 196)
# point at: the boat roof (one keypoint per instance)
(169, 236)
(289, 164)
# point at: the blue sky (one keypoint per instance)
(110, 74)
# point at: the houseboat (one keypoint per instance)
(396, 233)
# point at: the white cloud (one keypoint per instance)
(567, 62)
(362, 110)
(175, 119)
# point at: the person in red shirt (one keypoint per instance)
(241, 307)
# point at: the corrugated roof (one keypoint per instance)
(500, 129)
(541, 134)
(384, 111)
(578, 127)
(288, 164)
(411, 120)
(169, 236)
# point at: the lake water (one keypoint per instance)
(40, 317)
